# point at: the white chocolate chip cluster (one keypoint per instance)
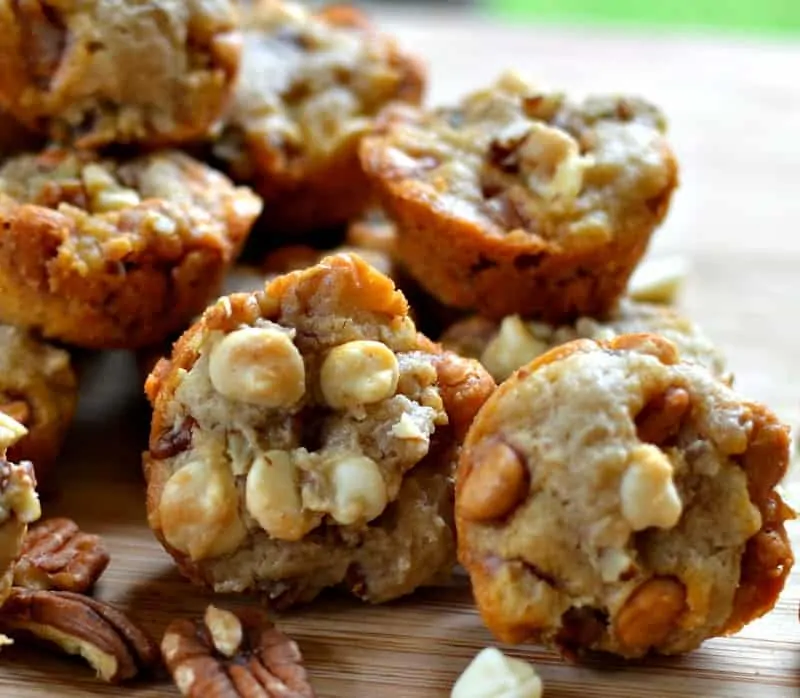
(290, 435)
(494, 675)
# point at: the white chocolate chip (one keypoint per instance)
(96, 179)
(272, 496)
(551, 161)
(199, 511)
(163, 225)
(359, 490)
(115, 199)
(493, 675)
(258, 365)
(658, 280)
(11, 431)
(648, 495)
(407, 429)
(358, 373)
(184, 678)
(225, 630)
(613, 564)
(512, 347)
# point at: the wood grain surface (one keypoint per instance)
(735, 114)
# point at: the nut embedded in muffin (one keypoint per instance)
(19, 503)
(503, 347)
(519, 201)
(310, 86)
(104, 253)
(38, 389)
(100, 72)
(304, 437)
(612, 497)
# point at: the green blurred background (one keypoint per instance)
(761, 16)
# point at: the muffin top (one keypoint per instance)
(519, 161)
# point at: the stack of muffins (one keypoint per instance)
(613, 493)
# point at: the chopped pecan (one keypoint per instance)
(56, 554)
(104, 636)
(660, 419)
(650, 613)
(228, 655)
(493, 482)
(175, 441)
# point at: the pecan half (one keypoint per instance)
(101, 634)
(230, 655)
(493, 482)
(56, 554)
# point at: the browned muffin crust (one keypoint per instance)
(102, 253)
(520, 201)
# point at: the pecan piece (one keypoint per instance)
(101, 634)
(493, 483)
(56, 554)
(227, 655)
(650, 613)
(660, 419)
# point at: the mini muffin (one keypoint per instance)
(613, 497)
(503, 347)
(310, 86)
(39, 389)
(321, 430)
(122, 71)
(104, 253)
(19, 504)
(519, 201)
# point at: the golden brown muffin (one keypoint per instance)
(612, 497)
(321, 430)
(103, 253)
(310, 86)
(503, 347)
(519, 201)
(39, 389)
(113, 71)
(19, 504)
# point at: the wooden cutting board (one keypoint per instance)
(735, 112)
